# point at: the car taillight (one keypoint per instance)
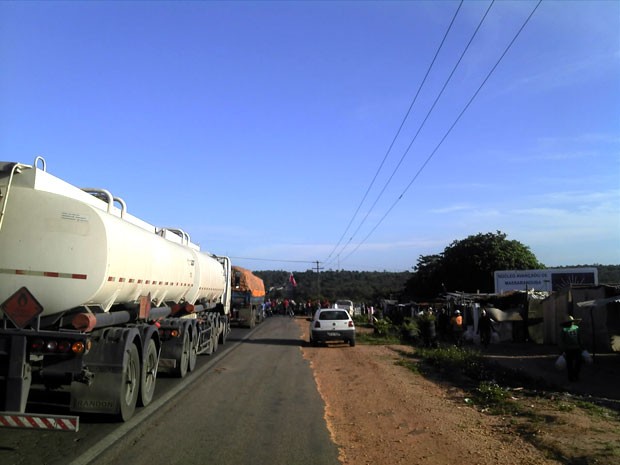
(351, 324)
(317, 324)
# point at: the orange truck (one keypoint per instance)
(248, 295)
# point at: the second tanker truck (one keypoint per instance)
(95, 301)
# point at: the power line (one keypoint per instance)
(421, 124)
(273, 260)
(428, 159)
(396, 135)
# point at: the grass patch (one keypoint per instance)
(376, 339)
(412, 366)
(524, 401)
(452, 359)
(597, 410)
(565, 407)
(384, 333)
(611, 450)
(457, 364)
(496, 400)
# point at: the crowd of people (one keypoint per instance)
(445, 326)
(291, 307)
(448, 326)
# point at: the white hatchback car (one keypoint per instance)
(332, 324)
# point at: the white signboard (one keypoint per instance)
(543, 280)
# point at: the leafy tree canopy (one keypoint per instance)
(468, 265)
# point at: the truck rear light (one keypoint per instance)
(64, 346)
(80, 347)
(168, 333)
(51, 346)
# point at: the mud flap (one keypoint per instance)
(100, 396)
(15, 382)
(105, 363)
(171, 354)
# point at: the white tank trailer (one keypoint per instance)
(94, 301)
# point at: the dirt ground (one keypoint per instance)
(381, 412)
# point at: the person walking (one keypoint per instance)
(570, 345)
(443, 324)
(456, 323)
(427, 328)
(485, 327)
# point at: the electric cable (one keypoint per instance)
(447, 81)
(432, 154)
(272, 260)
(397, 132)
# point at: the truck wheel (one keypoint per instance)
(223, 334)
(193, 353)
(181, 367)
(216, 339)
(130, 383)
(149, 374)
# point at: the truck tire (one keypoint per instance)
(149, 373)
(215, 338)
(252, 319)
(180, 370)
(223, 334)
(193, 353)
(130, 383)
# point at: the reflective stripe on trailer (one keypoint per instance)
(34, 421)
(46, 274)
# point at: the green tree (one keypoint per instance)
(468, 265)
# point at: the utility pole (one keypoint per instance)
(318, 280)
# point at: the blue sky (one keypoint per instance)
(258, 127)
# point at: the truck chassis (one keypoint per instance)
(110, 369)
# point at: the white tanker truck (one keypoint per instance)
(94, 301)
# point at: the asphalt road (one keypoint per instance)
(255, 401)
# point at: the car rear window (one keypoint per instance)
(333, 315)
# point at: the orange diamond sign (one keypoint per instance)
(22, 308)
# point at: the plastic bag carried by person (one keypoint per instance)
(560, 363)
(586, 356)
